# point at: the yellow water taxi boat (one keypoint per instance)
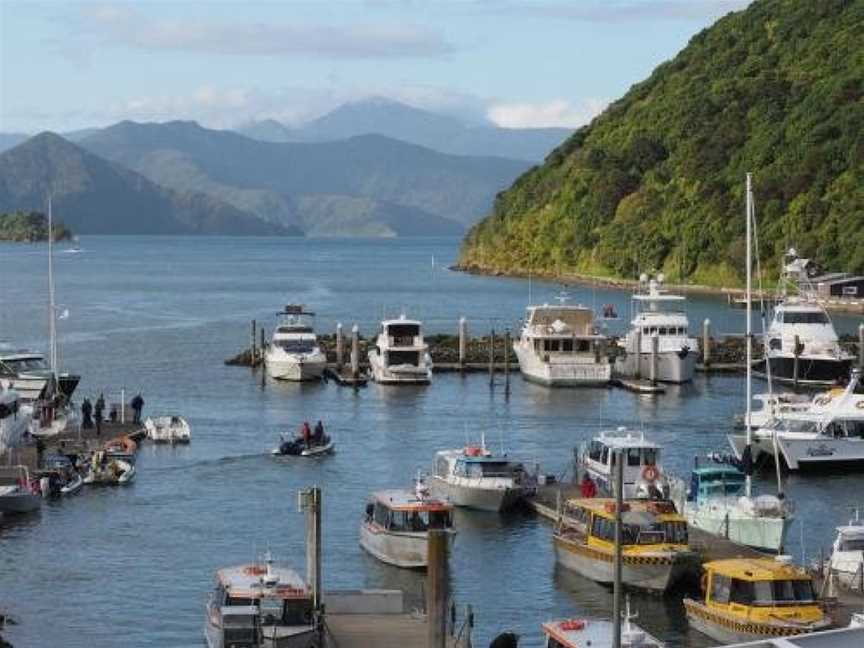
(747, 599)
(655, 553)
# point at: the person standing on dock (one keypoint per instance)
(86, 412)
(98, 410)
(137, 405)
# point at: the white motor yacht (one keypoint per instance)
(799, 319)
(400, 355)
(660, 315)
(14, 419)
(294, 352)
(18, 493)
(168, 429)
(559, 346)
(643, 473)
(260, 605)
(846, 562)
(28, 373)
(395, 528)
(476, 478)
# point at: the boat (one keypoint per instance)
(105, 471)
(747, 599)
(14, 419)
(846, 562)
(828, 433)
(168, 429)
(560, 346)
(58, 477)
(658, 314)
(596, 633)
(28, 373)
(395, 527)
(643, 472)
(18, 492)
(400, 356)
(122, 448)
(801, 344)
(474, 477)
(654, 547)
(260, 605)
(771, 406)
(716, 503)
(297, 447)
(294, 353)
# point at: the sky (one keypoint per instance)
(70, 65)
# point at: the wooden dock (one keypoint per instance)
(379, 630)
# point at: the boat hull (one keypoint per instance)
(481, 499)
(398, 374)
(562, 374)
(811, 371)
(728, 630)
(308, 638)
(654, 573)
(292, 369)
(730, 522)
(407, 550)
(671, 366)
(807, 452)
(20, 503)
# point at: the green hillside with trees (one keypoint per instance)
(656, 182)
(30, 227)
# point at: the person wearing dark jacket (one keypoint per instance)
(318, 437)
(99, 413)
(137, 405)
(86, 412)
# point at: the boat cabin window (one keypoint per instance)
(812, 317)
(294, 329)
(239, 629)
(567, 345)
(8, 409)
(720, 588)
(276, 611)
(595, 450)
(650, 455)
(403, 357)
(845, 429)
(851, 544)
(634, 457)
(603, 528)
(296, 346)
(23, 365)
(477, 469)
(675, 532)
(419, 521)
(769, 593)
(554, 643)
(241, 602)
(403, 334)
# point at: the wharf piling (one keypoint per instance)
(436, 589)
(655, 350)
(861, 346)
(252, 341)
(355, 351)
(463, 335)
(340, 348)
(706, 342)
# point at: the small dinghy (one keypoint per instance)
(168, 429)
(299, 448)
(58, 477)
(107, 471)
(121, 448)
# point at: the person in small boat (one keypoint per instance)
(318, 437)
(137, 405)
(86, 414)
(587, 487)
(307, 434)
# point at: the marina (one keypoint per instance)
(384, 436)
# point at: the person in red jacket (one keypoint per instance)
(588, 487)
(307, 434)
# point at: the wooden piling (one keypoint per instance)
(436, 589)
(507, 362)
(492, 357)
(340, 347)
(355, 351)
(655, 352)
(311, 503)
(706, 342)
(261, 349)
(861, 348)
(252, 353)
(463, 340)
(638, 344)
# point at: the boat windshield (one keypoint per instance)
(419, 521)
(771, 593)
(845, 429)
(479, 469)
(23, 365)
(852, 544)
(276, 611)
(296, 346)
(294, 328)
(807, 317)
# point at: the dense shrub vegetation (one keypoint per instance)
(29, 226)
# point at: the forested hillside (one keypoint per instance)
(656, 182)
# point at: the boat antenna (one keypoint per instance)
(748, 468)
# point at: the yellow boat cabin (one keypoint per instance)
(755, 598)
(654, 537)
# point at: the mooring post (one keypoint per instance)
(436, 589)
(797, 352)
(310, 502)
(706, 342)
(122, 404)
(492, 357)
(463, 334)
(861, 346)
(252, 354)
(262, 346)
(655, 352)
(507, 362)
(340, 347)
(638, 345)
(355, 351)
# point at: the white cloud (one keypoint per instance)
(558, 112)
(128, 27)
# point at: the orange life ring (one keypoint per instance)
(650, 473)
(572, 624)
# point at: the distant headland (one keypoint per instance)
(30, 227)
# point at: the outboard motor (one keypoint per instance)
(505, 640)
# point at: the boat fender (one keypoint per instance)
(650, 473)
(860, 404)
(684, 352)
(822, 401)
(572, 624)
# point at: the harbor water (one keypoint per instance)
(133, 566)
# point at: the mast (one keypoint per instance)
(749, 297)
(52, 313)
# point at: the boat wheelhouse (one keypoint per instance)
(395, 528)
(655, 551)
(260, 605)
(294, 353)
(400, 354)
(846, 562)
(476, 478)
(643, 474)
(661, 316)
(560, 346)
(716, 503)
(756, 598)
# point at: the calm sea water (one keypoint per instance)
(133, 566)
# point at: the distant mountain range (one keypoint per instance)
(94, 196)
(370, 168)
(399, 121)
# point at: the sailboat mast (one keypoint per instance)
(52, 313)
(749, 297)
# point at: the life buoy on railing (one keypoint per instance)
(822, 401)
(650, 473)
(572, 624)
